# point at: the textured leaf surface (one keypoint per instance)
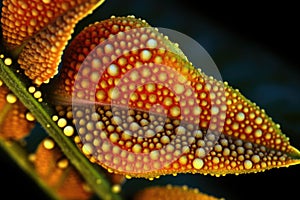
(205, 125)
(41, 29)
(172, 192)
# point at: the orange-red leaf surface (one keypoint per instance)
(172, 192)
(41, 29)
(143, 110)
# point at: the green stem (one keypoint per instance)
(42, 113)
(20, 157)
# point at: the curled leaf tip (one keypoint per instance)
(295, 155)
(40, 30)
(115, 74)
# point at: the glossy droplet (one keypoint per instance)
(40, 30)
(29, 116)
(11, 98)
(116, 188)
(68, 131)
(7, 61)
(155, 113)
(31, 89)
(48, 144)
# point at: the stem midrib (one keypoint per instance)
(80, 162)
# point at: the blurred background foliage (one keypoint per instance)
(256, 50)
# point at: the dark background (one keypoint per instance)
(256, 48)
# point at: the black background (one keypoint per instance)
(272, 26)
